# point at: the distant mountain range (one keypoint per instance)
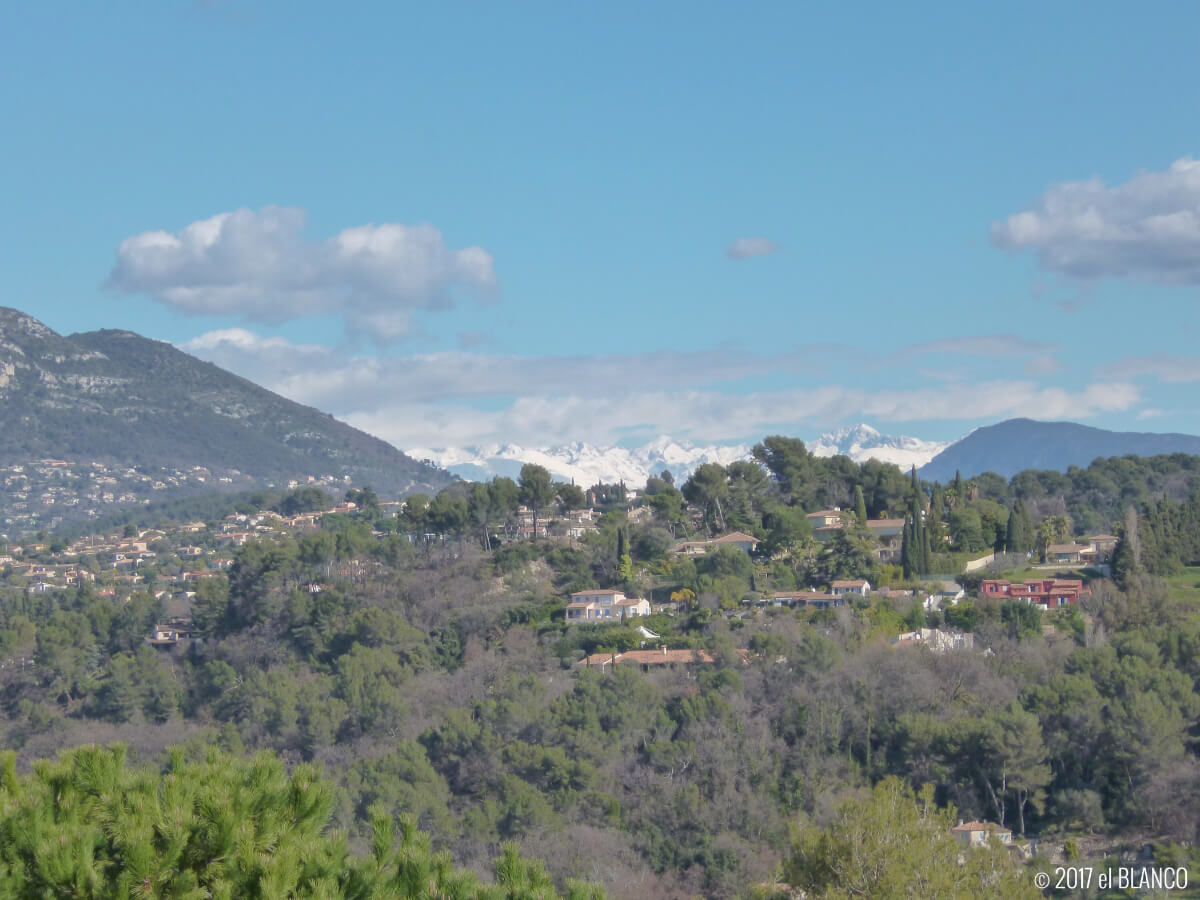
(118, 397)
(862, 442)
(586, 464)
(1010, 447)
(1005, 448)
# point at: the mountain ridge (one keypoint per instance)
(1015, 445)
(114, 395)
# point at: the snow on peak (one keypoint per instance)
(862, 442)
(586, 464)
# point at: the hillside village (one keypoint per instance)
(169, 562)
(41, 495)
(668, 670)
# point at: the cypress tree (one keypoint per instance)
(917, 537)
(1019, 533)
(860, 505)
(906, 549)
(1127, 556)
(933, 521)
(1015, 538)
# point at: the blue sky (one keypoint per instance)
(542, 222)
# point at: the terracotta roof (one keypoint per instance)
(659, 657)
(736, 537)
(979, 826)
(823, 512)
(857, 582)
(885, 523)
(597, 592)
(650, 657)
(803, 595)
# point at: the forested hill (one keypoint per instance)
(119, 397)
(425, 661)
(1020, 444)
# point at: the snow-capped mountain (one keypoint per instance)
(586, 464)
(862, 442)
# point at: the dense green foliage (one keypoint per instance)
(896, 846)
(88, 826)
(424, 661)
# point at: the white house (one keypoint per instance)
(604, 605)
(858, 586)
(973, 834)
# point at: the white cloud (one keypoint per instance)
(259, 265)
(456, 374)
(1043, 364)
(1008, 349)
(1171, 369)
(248, 342)
(985, 345)
(472, 338)
(746, 247)
(1147, 228)
(434, 400)
(711, 416)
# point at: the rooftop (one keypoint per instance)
(735, 537)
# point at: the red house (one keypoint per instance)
(1050, 593)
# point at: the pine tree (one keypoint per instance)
(87, 825)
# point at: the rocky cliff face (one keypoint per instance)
(117, 396)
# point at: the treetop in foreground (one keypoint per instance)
(894, 845)
(90, 826)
